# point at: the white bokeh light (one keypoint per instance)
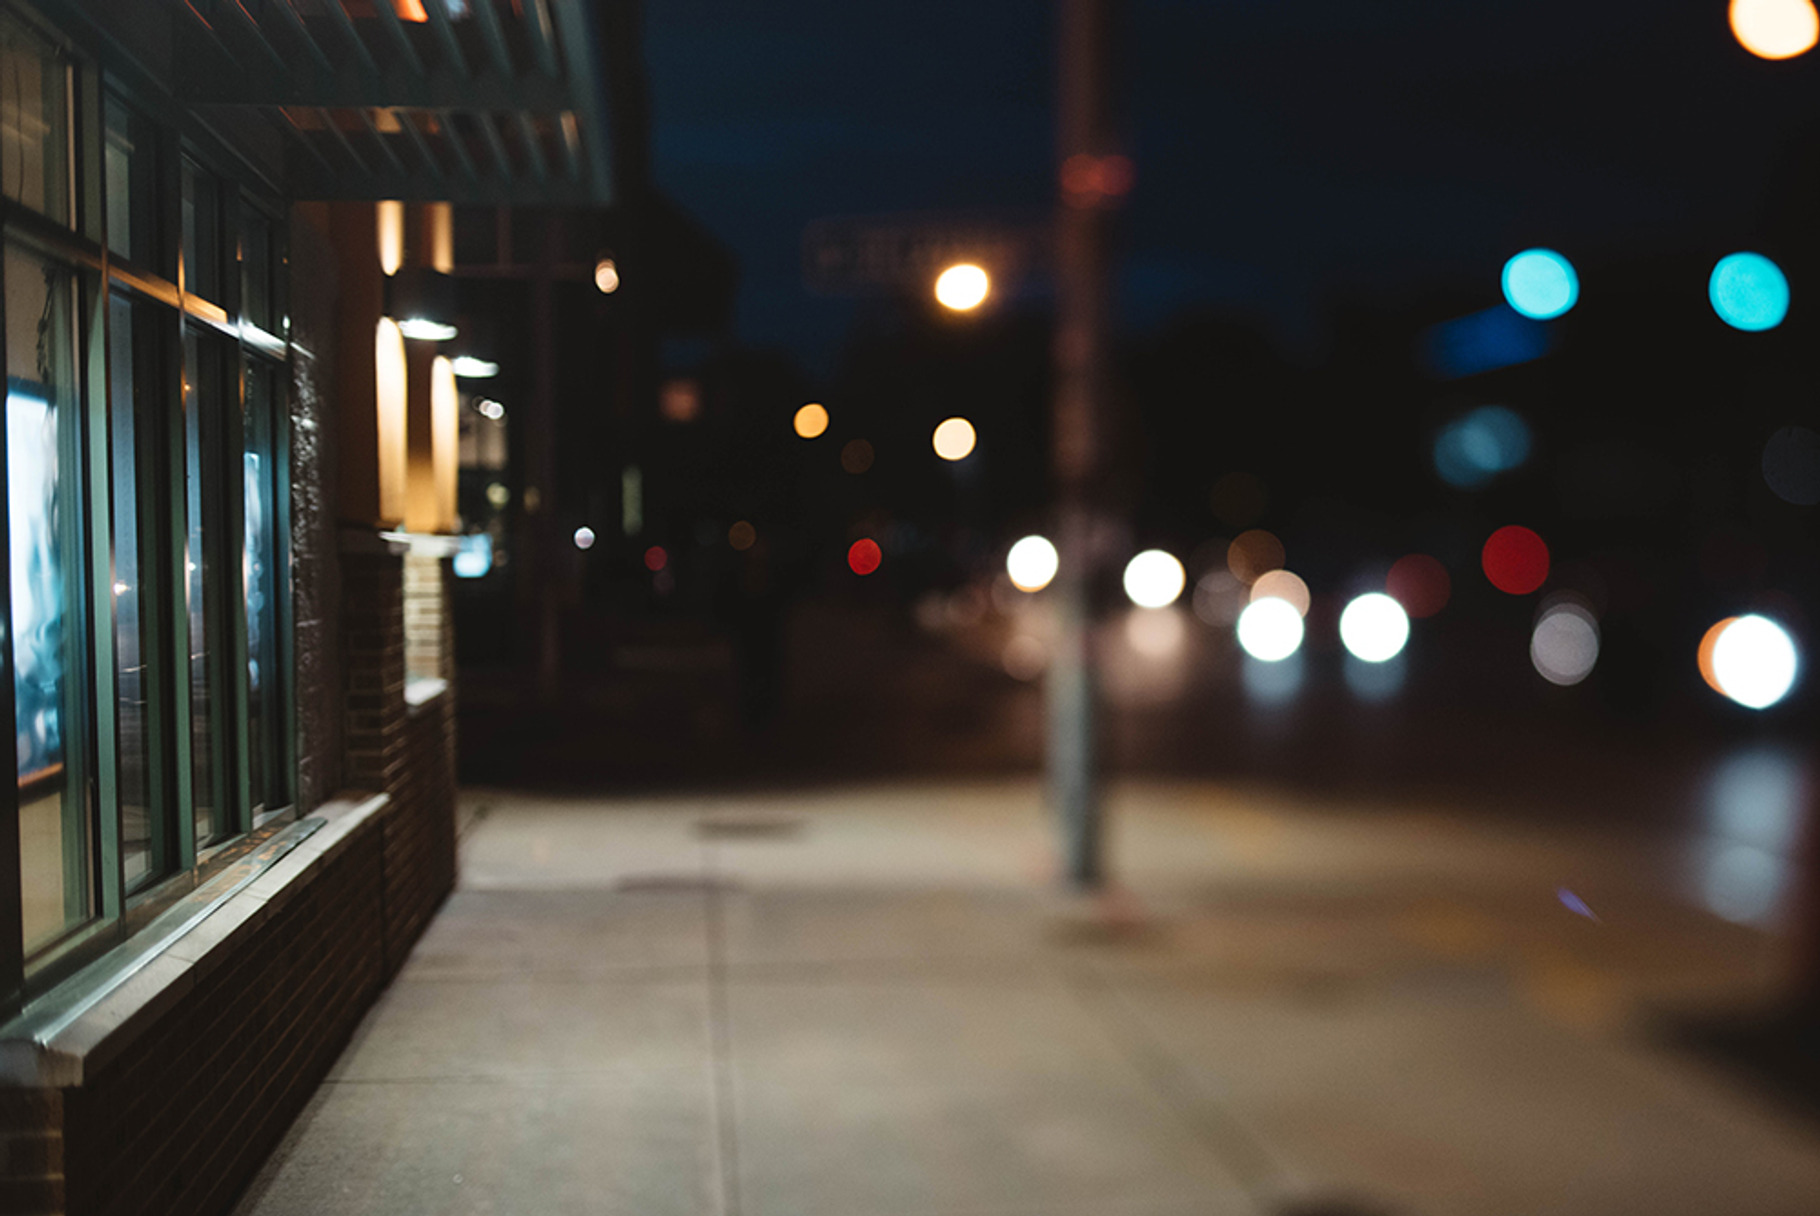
(963, 287)
(1565, 645)
(1754, 661)
(1270, 629)
(1154, 579)
(1374, 627)
(1032, 563)
(584, 537)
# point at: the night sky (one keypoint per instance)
(1288, 154)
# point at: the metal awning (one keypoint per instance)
(480, 101)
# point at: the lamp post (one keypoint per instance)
(1092, 180)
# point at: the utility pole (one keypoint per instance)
(1092, 180)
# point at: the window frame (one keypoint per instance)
(158, 296)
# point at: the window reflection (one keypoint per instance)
(43, 445)
(33, 142)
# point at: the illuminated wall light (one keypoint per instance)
(1564, 647)
(864, 556)
(1775, 29)
(954, 439)
(1374, 627)
(1032, 563)
(423, 329)
(1515, 559)
(1540, 284)
(1284, 586)
(469, 368)
(390, 384)
(584, 538)
(1754, 661)
(1270, 629)
(389, 219)
(445, 447)
(1749, 292)
(606, 276)
(1154, 579)
(962, 288)
(810, 421)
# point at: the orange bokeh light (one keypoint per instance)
(1775, 29)
(1707, 644)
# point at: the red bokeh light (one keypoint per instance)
(655, 558)
(863, 557)
(1515, 560)
(1419, 583)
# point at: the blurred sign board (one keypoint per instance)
(861, 254)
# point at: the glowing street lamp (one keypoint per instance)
(1775, 29)
(963, 287)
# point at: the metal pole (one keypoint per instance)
(1086, 147)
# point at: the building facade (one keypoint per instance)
(230, 462)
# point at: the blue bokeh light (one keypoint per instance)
(1472, 450)
(1484, 341)
(1749, 292)
(474, 559)
(1540, 284)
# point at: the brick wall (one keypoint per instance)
(182, 1117)
(181, 1121)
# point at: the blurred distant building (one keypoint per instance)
(598, 324)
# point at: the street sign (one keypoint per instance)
(850, 255)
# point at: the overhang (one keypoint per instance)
(480, 101)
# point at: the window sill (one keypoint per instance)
(86, 1020)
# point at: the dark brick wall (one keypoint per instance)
(182, 1118)
(181, 1121)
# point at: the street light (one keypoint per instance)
(1775, 29)
(963, 287)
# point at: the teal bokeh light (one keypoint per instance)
(1749, 292)
(1540, 284)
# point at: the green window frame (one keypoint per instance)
(176, 744)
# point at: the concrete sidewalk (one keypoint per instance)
(868, 1002)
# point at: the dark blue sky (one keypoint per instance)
(1287, 152)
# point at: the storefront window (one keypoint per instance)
(132, 185)
(260, 574)
(143, 842)
(201, 234)
(34, 122)
(43, 463)
(201, 442)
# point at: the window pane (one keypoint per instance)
(256, 252)
(34, 134)
(142, 843)
(201, 395)
(260, 569)
(201, 234)
(44, 499)
(132, 185)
